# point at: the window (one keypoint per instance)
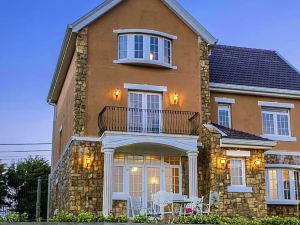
(237, 172)
(122, 46)
(276, 122)
(273, 186)
(153, 48)
(145, 49)
(167, 51)
(118, 178)
(138, 47)
(282, 185)
(224, 115)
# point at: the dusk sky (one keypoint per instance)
(32, 32)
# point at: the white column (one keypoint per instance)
(108, 181)
(193, 174)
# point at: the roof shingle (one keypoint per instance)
(252, 67)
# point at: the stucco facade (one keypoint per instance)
(91, 141)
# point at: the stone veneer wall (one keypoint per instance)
(217, 179)
(74, 186)
(119, 207)
(283, 210)
(80, 82)
(204, 74)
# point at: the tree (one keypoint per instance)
(22, 179)
(3, 186)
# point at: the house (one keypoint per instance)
(146, 100)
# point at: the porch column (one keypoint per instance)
(108, 180)
(193, 174)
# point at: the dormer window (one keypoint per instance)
(145, 47)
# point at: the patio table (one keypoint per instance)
(182, 203)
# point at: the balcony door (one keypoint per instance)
(144, 112)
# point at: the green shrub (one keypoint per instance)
(110, 219)
(141, 219)
(13, 217)
(62, 216)
(121, 219)
(100, 218)
(86, 217)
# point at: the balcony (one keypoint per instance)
(123, 119)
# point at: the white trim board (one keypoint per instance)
(225, 100)
(283, 202)
(247, 142)
(145, 31)
(288, 166)
(145, 87)
(276, 104)
(238, 153)
(279, 138)
(253, 90)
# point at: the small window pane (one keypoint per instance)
(273, 184)
(119, 158)
(138, 47)
(172, 160)
(123, 47)
(224, 116)
(283, 124)
(118, 179)
(167, 51)
(268, 123)
(153, 159)
(153, 48)
(236, 172)
(286, 184)
(296, 184)
(135, 159)
(172, 180)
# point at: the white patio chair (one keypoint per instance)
(196, 205)
(136, 206)
(214, 200)
(160, 200)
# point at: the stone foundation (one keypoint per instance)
(75, 185)
(119, 207)
(283, 210)
(213, 178)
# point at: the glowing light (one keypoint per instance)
(134, 169)
(117, 93)
(175, 98)
(151, 56)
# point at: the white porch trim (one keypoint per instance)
(108, 180)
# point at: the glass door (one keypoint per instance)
(136, 185)
(144, 112)
(153, 183)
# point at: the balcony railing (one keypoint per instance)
(125, 119)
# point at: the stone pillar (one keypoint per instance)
(108, 180)
(193, 174)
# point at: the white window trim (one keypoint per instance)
(145, 31)
(276, 105)
(238, 153)
(146, 51)
(145, 87)
(228, 108)
(275, 136)
(280, 188)
(240, 188)
(225, 100)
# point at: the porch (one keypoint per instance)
(146, 151)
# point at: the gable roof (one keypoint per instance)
(252, 67)
(68, 46)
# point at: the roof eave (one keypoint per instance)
(246, 143)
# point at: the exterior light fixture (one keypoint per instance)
(221, 164)
(175, 99)
(257, 162)
(117, 93)
(88, 162)
(134, 169)
(154, 180)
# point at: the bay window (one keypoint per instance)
(282, 186)
(145, 49)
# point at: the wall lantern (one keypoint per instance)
(175, 99)
(117, 93)
(221, 164)
(257, 162)
(87, 161)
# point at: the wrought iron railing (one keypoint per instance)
(124, 119)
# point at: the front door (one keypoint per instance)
(144, 112)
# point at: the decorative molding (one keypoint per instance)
(145, 87)
(144, 62)
(279, 138)
(276, 104)
(239, 189)
(253, 90)
(238, 153)
(183, 143)
(265, 144)
(282, 166)
(145, 31)
(225, 100)
(282, 153)
(282, 202)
